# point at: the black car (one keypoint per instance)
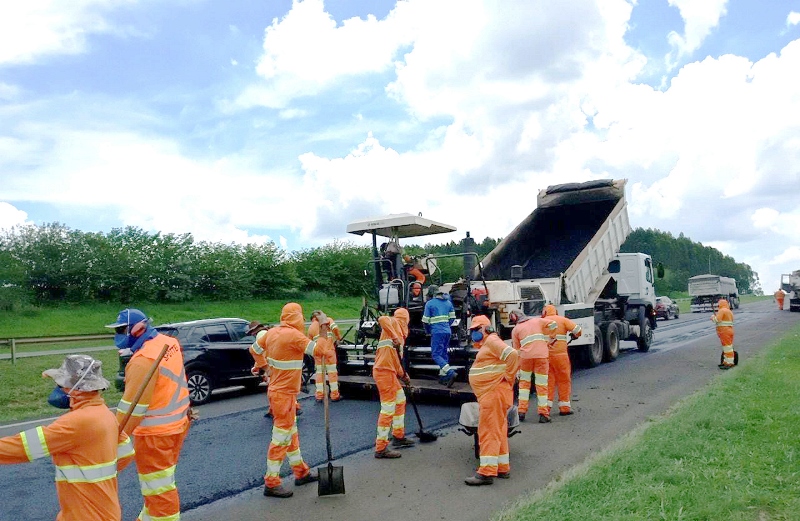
(666, 308)
(215, 354)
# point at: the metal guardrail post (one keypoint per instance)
(13, 352)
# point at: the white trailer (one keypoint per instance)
(707, 290)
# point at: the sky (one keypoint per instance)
(254, 121)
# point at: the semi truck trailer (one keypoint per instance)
(707, 290)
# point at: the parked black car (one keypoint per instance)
(215, 354)
(666, 308)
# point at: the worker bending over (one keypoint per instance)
(328, 360)
(85, 444)
(559, 376)
(492, 378)
(723, 318)
(532, 337)
(438, 316)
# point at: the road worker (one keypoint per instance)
(532, 337)
(780, 295)
(160, 420)
(560, 371)
(328, 360)
(386, 370)
(437, 317)
(85, 444)
(492, 378)
(261, 365)
(285, 345)
(723, 318)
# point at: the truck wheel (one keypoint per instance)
(611, 343)
(645, 332)
(594, 353)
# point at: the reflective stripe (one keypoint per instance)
(157, 482)
(539, 379)
(385, 343)
(525, 375)
(388, 408)
(533, 338)
(524, 394)
(175, 409)
(398, 422)
(34, 443)
(487, 369)
(125, 449)
(564, 404)
(562, 337)
(273, 467)
(426, 320)
(169, 409)
(438, 319)
(506, 352)
(444, 370)
(725, 323)
(280, 436)
(145, 516)
(257, 349)
(310, 349)
(576, 330)
(502, 459)
(162, 420)
(452, 315)
(400, 397)
(489, 461)
(383, 433)
(286, 365)
(552, 325)
(86, 473)
(334, 386)
(295, 458)
(124, 406)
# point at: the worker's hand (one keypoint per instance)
(321, 317)
(406, 379)
(192, 414)
(255, 370)
(551, 343)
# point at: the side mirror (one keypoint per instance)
(660, 270)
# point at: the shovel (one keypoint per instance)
(424, 437)
(331, 479)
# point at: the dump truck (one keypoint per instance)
(790, 283)
(707, 290)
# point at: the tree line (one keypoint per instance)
(51, 263)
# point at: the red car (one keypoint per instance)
(666, 308)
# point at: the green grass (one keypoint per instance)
(727, 453)
(23, 391)
(89, 319)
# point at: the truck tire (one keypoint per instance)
(593, 354)
(611, 343)
(645, 332)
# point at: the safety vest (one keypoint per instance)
(386, 356)
(438, 315)
(495, 364)
(530, 338)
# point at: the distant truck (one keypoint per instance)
(707, 290)
(791, 285)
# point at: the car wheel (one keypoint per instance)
(200, 387)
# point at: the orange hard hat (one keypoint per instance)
(478, 321)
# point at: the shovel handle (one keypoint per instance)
(327, 413)
(140, 392)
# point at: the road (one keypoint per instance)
(223, 461)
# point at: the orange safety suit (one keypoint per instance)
(531, 336)
(560, 371)
(285, 345)
(492, 378)
(724, 321)
(328, 360)
(159, 424)
(87, 450)
(779, 296)
(260, 357)
(386, 370)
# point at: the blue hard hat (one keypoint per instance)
(128, 317)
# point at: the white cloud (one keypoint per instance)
(793, 18)
(10, 216)
(35, 28)
(790, 255)
(699, 19)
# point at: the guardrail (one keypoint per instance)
(13, 342)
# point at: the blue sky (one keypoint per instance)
(252, 121)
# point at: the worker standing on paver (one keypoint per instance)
(723, 318)
(532, 337)
(160, 420)
(559, 376)
(387, 369)
(286, 344)
(328, 360)
(86, 446)
(438, 316)
(780, 295)
(492, 378)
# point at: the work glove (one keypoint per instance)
(192, 414)
(321, 317)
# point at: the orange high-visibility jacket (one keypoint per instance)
(258, 352)
(564, 327)
(386, 356)
(496, 364)
(531, 336)
(163, 406)
(285, 346)
(313, 330)
(723, 318)
(87, 450)
(780, 295)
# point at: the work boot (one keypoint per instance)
(308, 478)
(479, 479)
(402, 443)
(522, 416)
(725, 366)
(268, 414)
(336, 397)
(387, 454)
(504, 475)
(566, 413)
(449, 379)
(544, 419)
(278, 491)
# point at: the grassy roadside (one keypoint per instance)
(727, 453)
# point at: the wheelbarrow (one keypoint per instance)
(468, 419)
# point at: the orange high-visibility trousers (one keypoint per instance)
(536, 369)
(559, 378)
(285, 440)
(333, 376)
(780, 303)
(393, 408)
(725, 335)
(493, 430)
(156, 460)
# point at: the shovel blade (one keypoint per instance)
(331, 480)
(426, 437)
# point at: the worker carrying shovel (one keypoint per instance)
(85, 444)
(492, 378)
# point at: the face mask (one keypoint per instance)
(58, 398)
(123, 341)
(477, 336)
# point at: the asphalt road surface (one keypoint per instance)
(224, 458)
